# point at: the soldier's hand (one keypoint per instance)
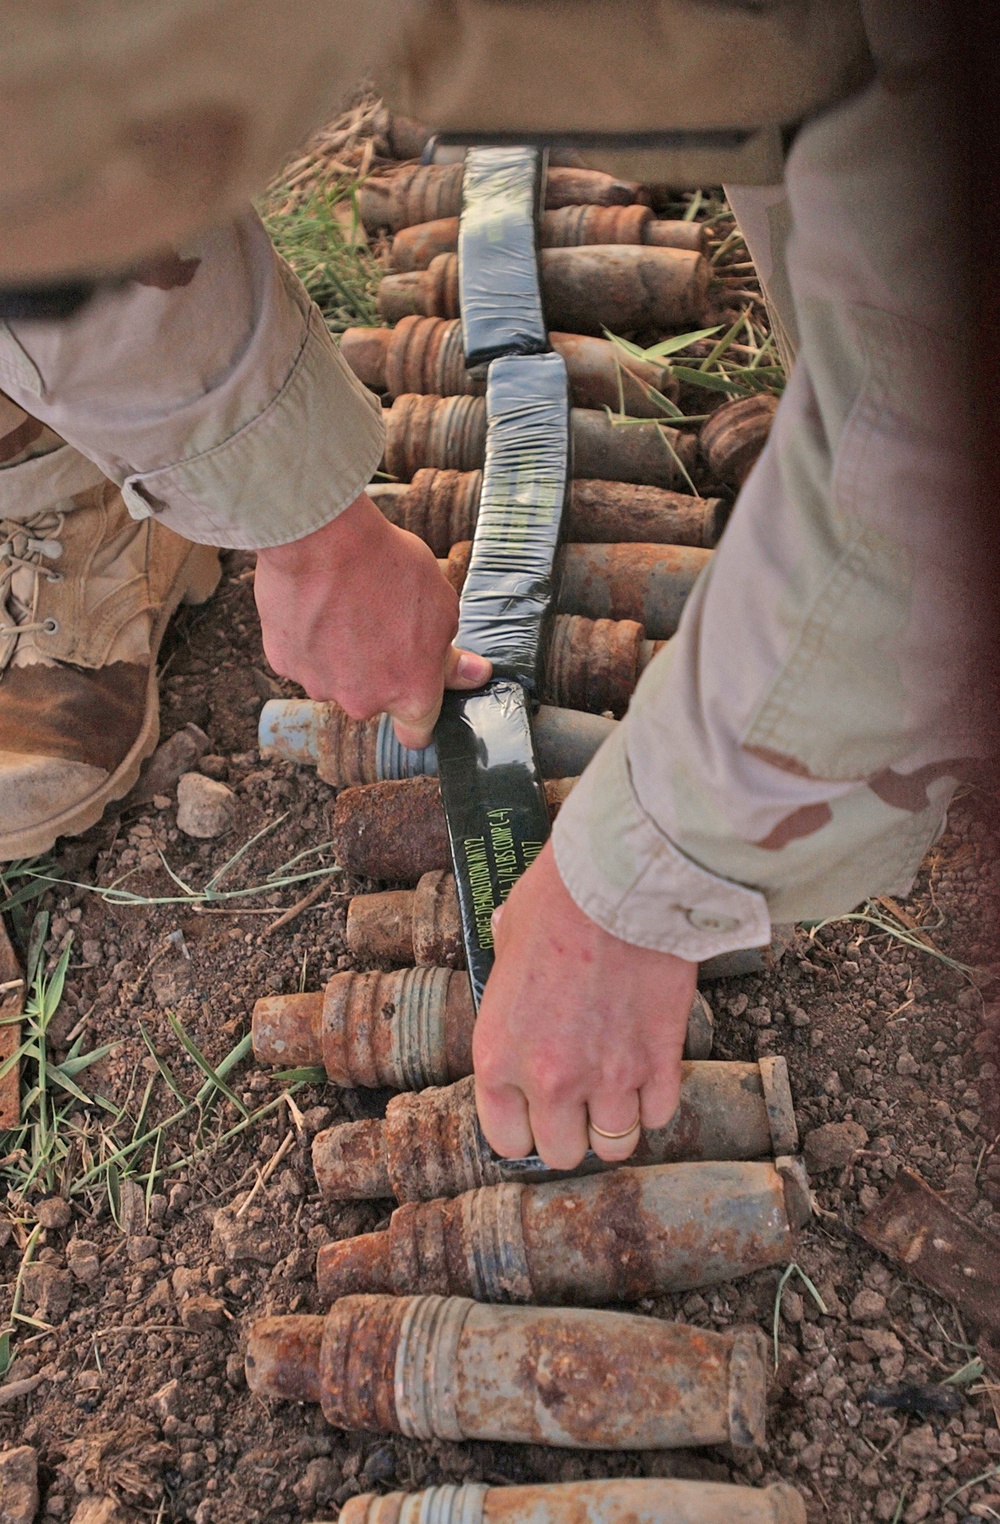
(359, 612)
(577, 1029)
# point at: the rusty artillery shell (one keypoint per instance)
(396, 831)
(441, 508)
(422, 925)
(594, 664)
(347, 751)
(622, 1500)
(585, 289)
(450, 1368)
(733, 437)
(450, 433)
(430, 1144)
(615, 1237)
(645, 583)
(423, 192)
(425, 354)
(413, 248)
(406, 1030)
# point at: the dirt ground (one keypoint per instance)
(136, 1391)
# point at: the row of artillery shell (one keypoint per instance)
(425, 192)
(413, 248)
(614, 1237)
(450, 432)
(425, 354)
(407, 1029)
(397, 832)
(423, 926)
(622, 1500)
(622, 287)
(429, 1142)
(648, 584)
(451, 1368)
(442, 507)
(346, 751)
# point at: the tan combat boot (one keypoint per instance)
(85, 596)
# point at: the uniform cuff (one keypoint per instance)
(630, 878)
(293, 468)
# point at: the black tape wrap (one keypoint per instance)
(498, 288)
(508, 587)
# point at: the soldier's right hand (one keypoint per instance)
(360, 612)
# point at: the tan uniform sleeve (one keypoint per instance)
(793, 750)
(210, 390)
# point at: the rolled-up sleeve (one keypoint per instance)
(210, 390)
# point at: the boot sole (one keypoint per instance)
(196, 582)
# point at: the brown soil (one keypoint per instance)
(141, 1393)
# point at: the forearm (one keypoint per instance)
(210, 391)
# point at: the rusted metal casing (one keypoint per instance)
(450, 1368)
(424, 192)
(406, 1029)
(733, 437)
(586, 289)
(615, 1237)
(347, 751)
(648, 584)
(413, 248)
(594, 664)
(450, 433)
(622, 1500)
(425, 355)
(441, 508)
(423, 926)
(429, 1144)
(396, 831)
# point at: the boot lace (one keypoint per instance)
(27, 550)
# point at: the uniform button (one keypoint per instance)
(707, 920)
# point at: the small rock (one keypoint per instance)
(49, 1291)
(214, 766)
(18, 1485)
(881, 1342)
(165, 1401)
(201, 1313)
(833, 1085)
(142, 1246)
(319, 1478)
(907, 1066)
(54, 1213)
(98, 1510)
(186, 1281)
(205, 808)
(91, 950)
(240, 1240)
(169, 761)
(83, 1260)
(867, 1306)
(920, 1451)
(800, 1018)
(832, 1145)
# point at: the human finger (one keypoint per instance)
(503, 1116)
(613, 1124)
(560, 1131)
(466, 669)
(462, 669)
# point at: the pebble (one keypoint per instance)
(165, 1401)
(200, 1313)
(907, 1066)
(83, 1260)
(49, 1291)
(832, 1145)
(205, 808)
(171, 759)
(18, 1485)
(867, 1306)
(98, 1510)
(240, 1240)
(54, 1213)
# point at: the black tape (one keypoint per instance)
(494, 803)
(499, 294)
(525, 481)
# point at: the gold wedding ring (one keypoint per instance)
(602, 1134)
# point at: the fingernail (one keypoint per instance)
(473, 669)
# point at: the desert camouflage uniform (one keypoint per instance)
(794, 749)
